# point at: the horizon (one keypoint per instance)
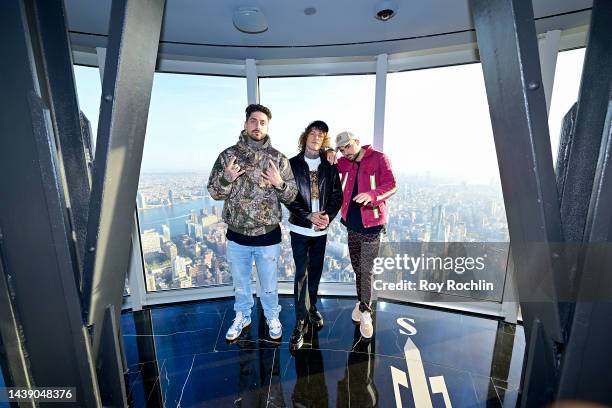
(445, 131)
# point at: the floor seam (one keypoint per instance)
(185, 384)
(220, 328)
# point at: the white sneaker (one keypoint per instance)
(356, 315)
(275, 329)
(365, 326)
(240, 323)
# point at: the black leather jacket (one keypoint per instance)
(330, 191)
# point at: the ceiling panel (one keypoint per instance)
(204, 27)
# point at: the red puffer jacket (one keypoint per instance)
(375, 177)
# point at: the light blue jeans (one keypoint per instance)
(240, 259)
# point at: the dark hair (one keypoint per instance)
(255, 107)
(317, 124)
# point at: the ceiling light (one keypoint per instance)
(250, 20)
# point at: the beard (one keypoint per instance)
(256, 136)
(353, 157)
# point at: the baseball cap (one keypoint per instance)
(318, 124)
(343, 138)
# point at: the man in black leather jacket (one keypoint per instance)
(317, 203)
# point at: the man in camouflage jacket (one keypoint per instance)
(254, 179)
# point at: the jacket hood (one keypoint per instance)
(243, 141)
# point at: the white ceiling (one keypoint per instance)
(203, 28)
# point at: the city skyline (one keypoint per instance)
(179, 220)
(442, 129)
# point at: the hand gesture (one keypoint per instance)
(272, 175)
(363, 198)
(331, 156)
(320, 220)
(232, 170)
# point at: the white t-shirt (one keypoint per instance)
(313, 166)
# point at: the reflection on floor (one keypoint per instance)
(178, 356)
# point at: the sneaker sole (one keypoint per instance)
(239, 334)
(364, 336)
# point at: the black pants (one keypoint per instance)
(363, 248)
(308, 255)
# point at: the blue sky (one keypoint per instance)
(436, 120)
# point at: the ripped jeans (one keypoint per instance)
(240, 258)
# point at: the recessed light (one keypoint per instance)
(250, 20)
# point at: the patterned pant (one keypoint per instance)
(363, 248)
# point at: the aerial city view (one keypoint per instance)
(183, 235)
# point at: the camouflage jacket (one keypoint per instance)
(252, 205)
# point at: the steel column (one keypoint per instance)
(584, 172)
(585, 372)
(595, 88)
(13, 356)
(252, 81)
(382, 66)
(35, 241)
(131, 55)
(508, 47)
(109, 363)
(62, 100)
(566, 139)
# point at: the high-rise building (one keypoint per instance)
(438, 224)
(218, 276)
(170, 250)
(179, 268)
(194, 217)
(193, 272)
(452, 219)
(141, 201)
(195, 229)
(209, 220)
(460, 232)
(208, 257)
(199, 231)
(426, 237)
(150, 241)
(170, 197)
(185, 282)
(194, 250)
(166, 232)
(150, 282)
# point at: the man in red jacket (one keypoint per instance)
(367, 183)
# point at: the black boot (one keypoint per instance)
(315, 317)
(297, 337)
